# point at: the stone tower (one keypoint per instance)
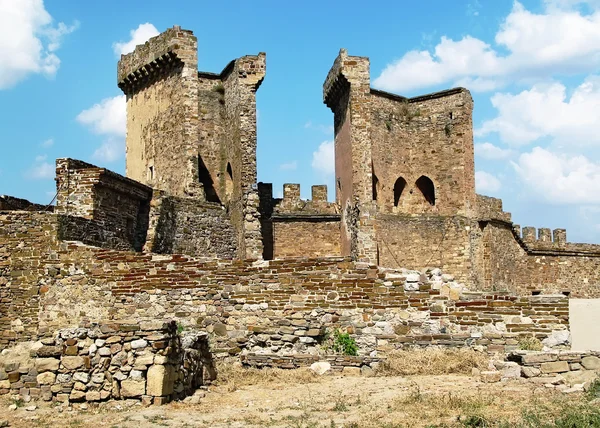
(193, 134)
(396, 155)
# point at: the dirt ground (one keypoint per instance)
(298, 400)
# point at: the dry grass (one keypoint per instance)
(234, 376)
(432, 362)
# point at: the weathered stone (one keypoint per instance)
(160, 380)
(133, 388)
(591, 363)
(491, 376)
(46, 378)
(72, 363)
(530, 371)
(555, 367)
(138, 344)
(320, 367)
(46, 364)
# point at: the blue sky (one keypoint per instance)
(531, 67)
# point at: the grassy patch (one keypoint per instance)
(432, 362)
(234, 376)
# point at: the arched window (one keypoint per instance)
(229, 180)
(425, 185)
(398, 189)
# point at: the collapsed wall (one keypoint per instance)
(147, 361)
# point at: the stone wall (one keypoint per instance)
(564, 370)
(417, 242)
(303, 228)
(190, 226)
(427, 136)
(284, 306)
(147, 361)
(10, 203)
(160, 81)
(101, 207)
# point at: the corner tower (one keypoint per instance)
(193, 134)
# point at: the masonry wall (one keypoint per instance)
(101, 207)
(308, 236)
(303, 228)
(189, 226)
(427, 136)
(279, 306)
(160, 81)
(146, 361)
(419, 242)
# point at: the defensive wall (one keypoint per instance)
(279, 306)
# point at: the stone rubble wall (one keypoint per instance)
(190, 226)
(565, 371)
(146, 361)
(10, 203)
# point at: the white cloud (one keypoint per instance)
(289, 166)
(139, 36)
(558, 178)
(486, 182)
(28, 41)
(560, 40)
(491, 152)
(323, 160)
(47, 143)
(108, 118)
(41, 169)
(110, 150)
(545, 111)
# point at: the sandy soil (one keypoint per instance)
(329, 401)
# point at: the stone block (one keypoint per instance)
(92, 396)
(47, 364)
(591, 363)
(320, 367)
(351, 371)
(555, 367)
(72, 363)
(46, 378)
(491, 376)
(531, 359)
(76, 395)
(160, 380)
(529, 372)
(133, 388)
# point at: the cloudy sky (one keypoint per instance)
(533, 68)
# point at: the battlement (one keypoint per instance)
(489, 208)
(346, 70)
(155, 58)
(546, 241)
(291, 204)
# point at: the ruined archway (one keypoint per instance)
(426, 187)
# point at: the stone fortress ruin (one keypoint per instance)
(407, 255)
